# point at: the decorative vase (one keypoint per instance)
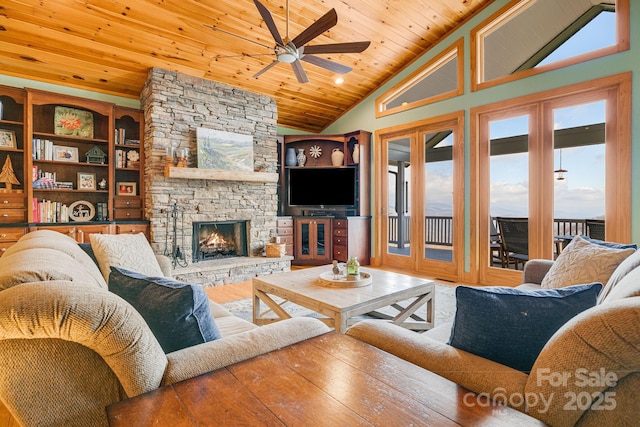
(356, 153)
(302, 159)
(337, 157)
(290, 158)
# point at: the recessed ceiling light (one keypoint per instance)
(339, 80)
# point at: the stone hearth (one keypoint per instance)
(175, 105)
(231, 270)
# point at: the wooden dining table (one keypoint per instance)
(329, 380)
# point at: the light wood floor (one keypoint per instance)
(6, 420)
(231, 292)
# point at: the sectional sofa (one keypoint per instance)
(586, 374)
(69, 346)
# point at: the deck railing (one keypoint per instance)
(439, 229)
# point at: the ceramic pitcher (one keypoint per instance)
(337, 157)
(290, 158)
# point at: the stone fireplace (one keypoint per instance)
(175, 105)
(219, 239)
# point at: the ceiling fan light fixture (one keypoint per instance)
(287, 57)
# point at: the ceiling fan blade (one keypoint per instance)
(326, 64)
(354, 47)
(242, 55)
(268, 20)
(236, 35)
(265, 69)
(299, 72)
(327, 21)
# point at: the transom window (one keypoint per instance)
(438, 79)
(531, 36)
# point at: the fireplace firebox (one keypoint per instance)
(219, 239)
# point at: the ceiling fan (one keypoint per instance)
(293, 51)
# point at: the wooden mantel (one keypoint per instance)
(220, 175)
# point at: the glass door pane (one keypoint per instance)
(579, 171)
(304, 249)
(438, 195)
(320, 239)
(398, 197)
(509, 192)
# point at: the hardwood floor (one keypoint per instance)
(231, 292)
(6, 420)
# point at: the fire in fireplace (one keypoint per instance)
(219, 239)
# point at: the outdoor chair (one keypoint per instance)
(495, 245)
(595, 229)
(514, 233)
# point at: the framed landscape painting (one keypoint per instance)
(224, 150)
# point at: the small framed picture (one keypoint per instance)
(65, 154)
(86, 181)
(7, 138)
(126, 188)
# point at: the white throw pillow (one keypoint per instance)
(584, 262)
(129, 251)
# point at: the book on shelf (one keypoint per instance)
(65, 185)
(42, 149)
(120, 136)
(121, 158)
(48, 211)
(101, 211)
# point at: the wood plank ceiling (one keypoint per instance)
(109, 46)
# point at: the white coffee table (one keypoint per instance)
(401, 294)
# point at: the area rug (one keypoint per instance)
(445, 306)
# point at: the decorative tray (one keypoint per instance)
(329, 280)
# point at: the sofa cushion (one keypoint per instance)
(627, 287)
(129, 251)
(52, 240)
(511, 326)
(177, 313)
(630, 264)
(42, 264)
(584, 262)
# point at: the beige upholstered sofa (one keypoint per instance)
(69, 347)
(587, 374)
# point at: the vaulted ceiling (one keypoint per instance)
(109, 46)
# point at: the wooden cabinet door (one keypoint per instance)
(10, 235)
(80, 233)
(132, 229)
(84, 231)
(313, 240)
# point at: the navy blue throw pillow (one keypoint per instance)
(613, 245)
(511, 326)
(177, 313)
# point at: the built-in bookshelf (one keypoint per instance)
(73, 159)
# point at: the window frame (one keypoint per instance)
(456, 50)
(516, 7)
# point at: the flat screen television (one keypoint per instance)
(322, 187)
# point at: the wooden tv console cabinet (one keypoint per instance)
(317, 235)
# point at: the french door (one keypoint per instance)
(420, 199)
(547, 167)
